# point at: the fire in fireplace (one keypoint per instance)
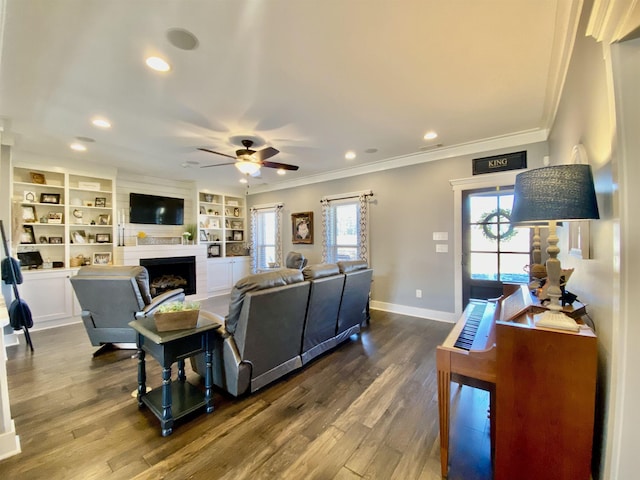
(169, 273)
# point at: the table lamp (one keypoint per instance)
(552, 194)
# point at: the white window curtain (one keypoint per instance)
(345, 225)
(266, 236)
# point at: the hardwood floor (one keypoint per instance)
(367, 409)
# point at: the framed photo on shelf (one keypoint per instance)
(213, 251)
(203, 236)
(101, 202)
(55, 240)
(50, 198)
(302, 227)
(101, 258)
(37, 178)
(103, 238)
(236, 224)
(237, 236)
(43, 239)
(79, 236)
(203, 210)
(27, 236)
(29, 214)
(104, 219)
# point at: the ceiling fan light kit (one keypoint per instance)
(247, 167)
(249, 161)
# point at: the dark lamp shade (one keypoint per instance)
(560, 192)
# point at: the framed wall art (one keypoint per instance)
(302, 227)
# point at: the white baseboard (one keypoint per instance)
(9, 443)
(437, 315)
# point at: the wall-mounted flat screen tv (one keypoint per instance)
(155, 210)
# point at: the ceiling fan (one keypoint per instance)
(249, 161)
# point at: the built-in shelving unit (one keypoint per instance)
(222, 224)
(68, 218)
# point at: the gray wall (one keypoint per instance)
(409, 204)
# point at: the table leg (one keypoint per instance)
(208, 379)
(167, 416)
(444, 396)
(142, 375)
(181, 375)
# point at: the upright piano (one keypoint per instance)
(541, 384)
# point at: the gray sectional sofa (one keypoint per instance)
(280, 320)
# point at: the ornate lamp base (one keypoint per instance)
(558, 321)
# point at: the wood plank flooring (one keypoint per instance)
(366, 410)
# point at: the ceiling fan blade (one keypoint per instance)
(217, 153)
(218, 165)
(265, 153)
(283, 166)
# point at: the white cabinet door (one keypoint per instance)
(219, 275)
(241, 267)
(48, 294)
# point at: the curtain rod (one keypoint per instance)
(268, 206)
(330, 198)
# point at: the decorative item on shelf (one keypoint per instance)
(176, 316)
(77, 261)
(89, 185)
(203, 210)
(236, 212)
(78, 214)
(185, 238)
(55, 240)
(104, 219)
(88, 203)
(54, 217)
(91, 238)
(213, 251)
(29, 214)
(27, 236)
(101, 202)
(103, 238)
(50, 198)
(208, 198)
(29, 196)
(121, 222)
(561, 192)
(78, 236)
(43, 239)
(38, 178)
(102, 258)
(203, 236)
(44, 219)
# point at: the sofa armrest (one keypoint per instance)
(176, 295)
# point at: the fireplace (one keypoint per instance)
(169, 273)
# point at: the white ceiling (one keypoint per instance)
(312, 78)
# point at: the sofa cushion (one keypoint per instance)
(322, 270)
(140, 273)
(257, 281)
(352, 266)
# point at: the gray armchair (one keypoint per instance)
(295, 260)
(111, 297)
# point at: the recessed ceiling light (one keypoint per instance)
(78, 147)
(350, 155)
(430, 135)
(158, 64)
(244, 180)
(101, 122)
(281, 171)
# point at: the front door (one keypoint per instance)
(493, 250)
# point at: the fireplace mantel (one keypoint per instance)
(132, 255)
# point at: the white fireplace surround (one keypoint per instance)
(132, 256)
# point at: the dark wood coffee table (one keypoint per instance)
(175, 399)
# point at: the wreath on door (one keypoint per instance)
(497, 219)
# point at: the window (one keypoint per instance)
(345, 229)
(266, 244)
(498, 251)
